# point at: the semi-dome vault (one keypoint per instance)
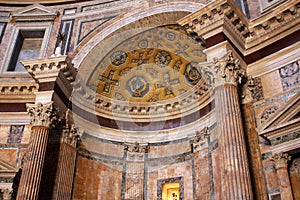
(155, 64)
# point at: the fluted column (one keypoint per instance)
(236, 183)
(41, 116)
(66, 163)
(281, 166)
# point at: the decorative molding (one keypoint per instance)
(34, 13)
(285, 138)
(17, 92)
(200, 141)
(42, 114)
(225, 16)
(47, 70)
(136, 147)
(280, 160)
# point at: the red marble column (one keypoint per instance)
(236, 184)
(281, 166)
(41, 116)
(66, 164)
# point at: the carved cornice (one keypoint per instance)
(280, 160)
(136, 147)
(200, 140)
(33, 13)
(18, 91)
(47, 70)
(225, 17)
(42, 114)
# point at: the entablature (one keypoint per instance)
(248, 36)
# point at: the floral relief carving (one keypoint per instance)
(280, 159)
(200, 140)
(228, 70)
(290, 76)
(42, 114)
(15, 134)
(136, 147)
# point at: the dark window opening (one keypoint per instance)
(28, 46)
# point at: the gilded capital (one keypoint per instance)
(228, 70)
(294, 167)
(41, 114)
(280, 160)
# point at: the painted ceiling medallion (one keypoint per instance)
(157, 64)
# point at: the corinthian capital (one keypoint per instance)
(280, 160)
(41, 114)
(70, 135)
(228, 70)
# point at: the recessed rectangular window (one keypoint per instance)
(27, 47)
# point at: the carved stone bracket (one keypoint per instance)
(228, 70)
(200, 140)
(42, 114)
(280, 160)
(136, 147)
(70, 135)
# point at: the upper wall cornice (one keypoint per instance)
(248, 36)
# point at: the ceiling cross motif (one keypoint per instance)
(140, 71)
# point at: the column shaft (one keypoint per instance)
(235, 170)
(33, 165)
(64, 177)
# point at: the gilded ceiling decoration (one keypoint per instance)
(154, 65)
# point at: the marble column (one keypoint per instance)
(281, 166)
(236, 184)
(66, 163)
(33, 161)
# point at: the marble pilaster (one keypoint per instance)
(33, 161)
(66, 163)
(281, 165)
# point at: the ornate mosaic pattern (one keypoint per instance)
(290, 76)
(154, 65)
